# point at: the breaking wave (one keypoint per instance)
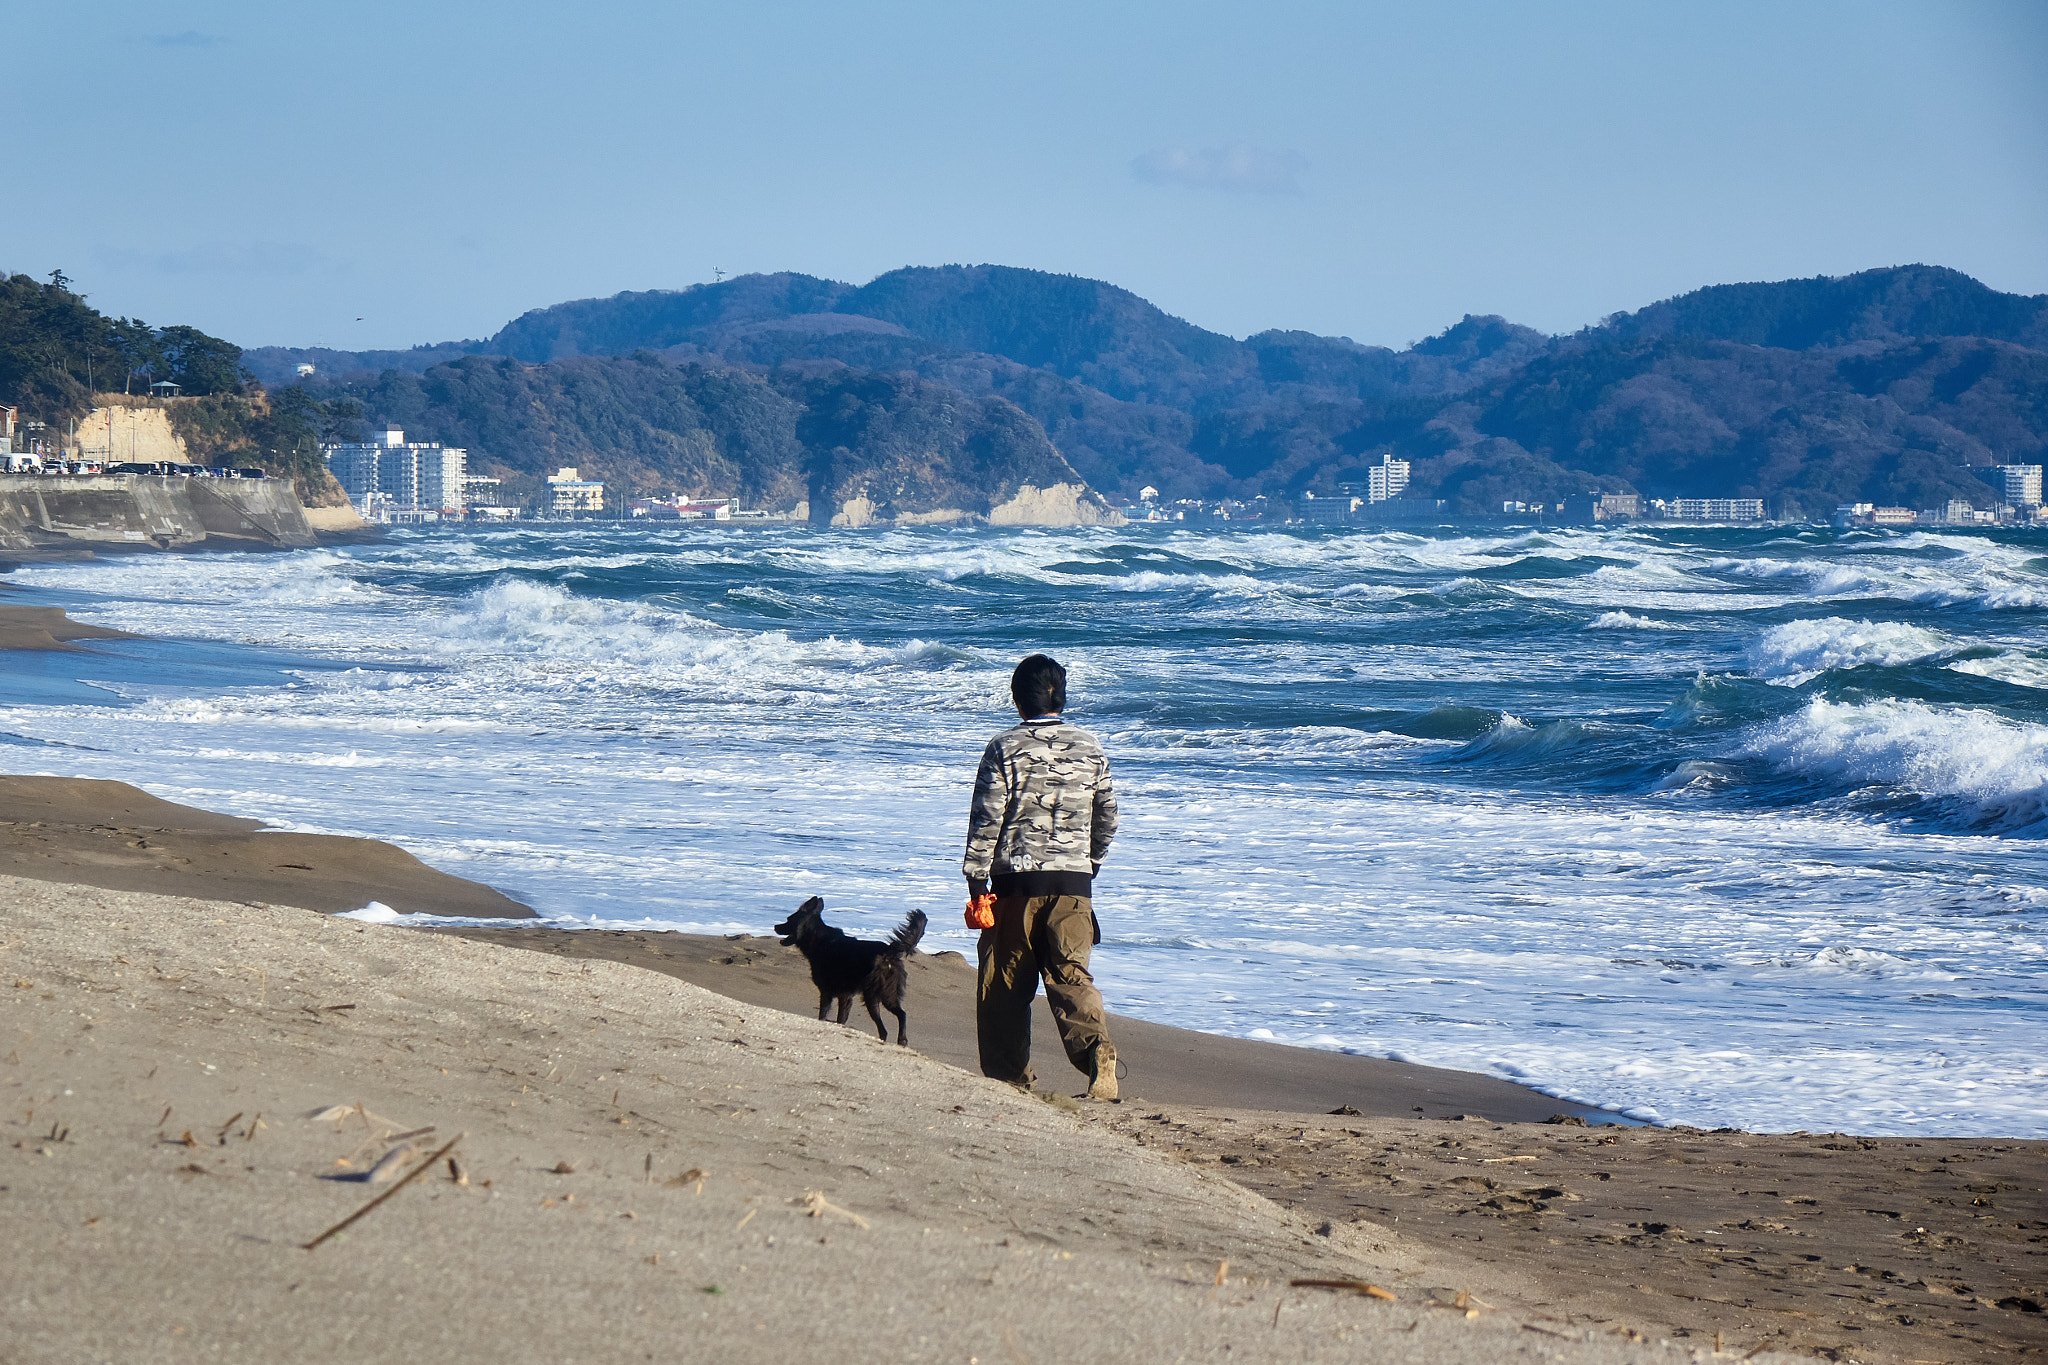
(1989, 772)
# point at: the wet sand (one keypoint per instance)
(108, 834)
(48, 628)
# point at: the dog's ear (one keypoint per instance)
(814, 906)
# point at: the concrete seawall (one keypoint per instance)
(147, 512)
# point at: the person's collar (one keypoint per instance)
(1041, 720)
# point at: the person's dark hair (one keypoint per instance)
(1039, 686)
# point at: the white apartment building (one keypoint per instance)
(1386, 480)
(2022, 484)
(1717, 509)
(390, 474)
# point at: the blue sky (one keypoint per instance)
(273, 173)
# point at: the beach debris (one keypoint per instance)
(1363, 1287)
(401, 1183)
(1573, 1119)
(561, 1168)
(1222, 1271)
(184, 1139)
(746, 1220)
(1345, 1110)
(1463, 1302)
(193, 1168)
(693, 1176)
(818, 1206)
(1496, 1160)
(388, 1165)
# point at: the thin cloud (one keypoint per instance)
(191, 37)
(1234, 170)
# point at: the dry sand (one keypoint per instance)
(1875, 1249)
(653, 1172)
(1001, 1226)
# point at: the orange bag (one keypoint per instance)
(981, 912)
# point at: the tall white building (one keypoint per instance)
(390, 474)
(1387, 479)
(2022, 484)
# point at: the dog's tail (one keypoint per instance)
(907, 938)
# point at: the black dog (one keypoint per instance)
(843, 967)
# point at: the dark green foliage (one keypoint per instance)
(772, 441)
(56, 351)
(659, 318)
(912, 446)
(1108, 338)
(635, 421)
(1872, 305)
(1887, 386)
(279, 432)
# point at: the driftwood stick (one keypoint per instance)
(403, 1181)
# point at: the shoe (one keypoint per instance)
(1102, 1083)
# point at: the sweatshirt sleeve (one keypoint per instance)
(1103, 828)
(985, 813)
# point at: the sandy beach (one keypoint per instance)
(163, 1054)
(48, 628)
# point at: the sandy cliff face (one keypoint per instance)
(129, 433)
(1063, 504)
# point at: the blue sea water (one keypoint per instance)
(1706, 826)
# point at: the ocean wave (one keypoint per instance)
(1799, 651)
(1621, 620)
(1990, 771)
(2014, 667)
(1866, 962)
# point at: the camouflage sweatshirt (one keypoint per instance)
(1043, 811)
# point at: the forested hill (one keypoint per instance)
(1885, 385)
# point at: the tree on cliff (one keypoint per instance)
(56, 351)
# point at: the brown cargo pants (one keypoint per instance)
(1037, 936)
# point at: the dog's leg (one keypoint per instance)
(825, 1003)
(902, 1026)
(845, 1008)
(868, 999)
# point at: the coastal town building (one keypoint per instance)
(389, 477)
(1715, 509)
(1595, 507)
(2021, 484)
(569, 492)
(1327, 511)
(1386, 480)
(686, 509)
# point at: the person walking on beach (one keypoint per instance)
(1037, 831)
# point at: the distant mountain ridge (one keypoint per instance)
(1883, 385)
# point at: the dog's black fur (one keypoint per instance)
(843, 967)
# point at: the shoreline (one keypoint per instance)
(50, 630)
(1879, 1250)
